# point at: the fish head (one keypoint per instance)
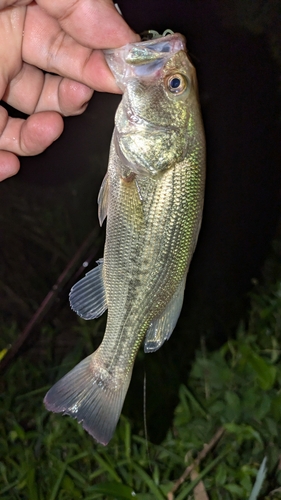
(156, 119)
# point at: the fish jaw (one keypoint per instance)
(142, 58)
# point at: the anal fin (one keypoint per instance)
(88, 297)
(162, 327)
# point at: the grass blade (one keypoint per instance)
(107, 467)
(58, 482)
(114, 490)
(188, 489)
(148, 481)
(259, 480)
(72, 472)
(9, 487)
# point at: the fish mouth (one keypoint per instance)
(142, 58)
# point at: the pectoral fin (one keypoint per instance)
(162, 327)
(103, 200)
(87, 297)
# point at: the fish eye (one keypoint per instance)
(176, 84)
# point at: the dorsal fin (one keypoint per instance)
(103, 200)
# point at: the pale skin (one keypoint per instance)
(64, 37)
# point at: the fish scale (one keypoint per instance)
(152, 197)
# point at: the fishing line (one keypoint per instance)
(145, 421)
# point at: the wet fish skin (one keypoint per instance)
(153, 199)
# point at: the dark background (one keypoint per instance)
(50, 206)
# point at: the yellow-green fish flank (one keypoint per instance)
(152, 196)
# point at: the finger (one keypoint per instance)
(9, 165)
(12, 3)
(29, 137)
(45, 45)
(31, 91)
(66, 96)
(93, 23)
(11, 29)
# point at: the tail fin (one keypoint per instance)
(90, 394)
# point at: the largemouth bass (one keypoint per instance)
(152, 196)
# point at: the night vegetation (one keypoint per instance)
(231, 397)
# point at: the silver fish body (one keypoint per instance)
(152, 197)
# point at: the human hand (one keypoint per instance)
(58, 36)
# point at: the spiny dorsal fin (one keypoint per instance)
(103, 200)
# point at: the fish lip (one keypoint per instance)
(177, 42)
(124, 66)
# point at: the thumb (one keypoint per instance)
(93, 23)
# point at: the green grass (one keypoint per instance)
(49, 457)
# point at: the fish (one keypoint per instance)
(152, 196)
